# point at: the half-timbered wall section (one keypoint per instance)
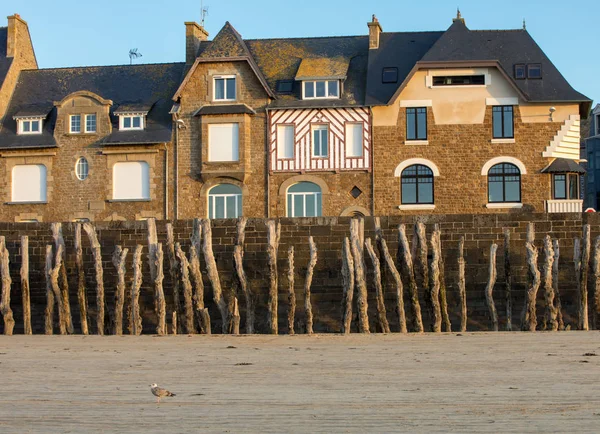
(294, 148)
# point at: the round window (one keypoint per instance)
(82, 169)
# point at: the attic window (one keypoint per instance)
(285, 86)
(131, 122)
(30, 126)
(534, 70)
(224, 88)
(520, 71)
(459, 80)
(321, 89)
(389, 75)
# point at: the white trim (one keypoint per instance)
(416, 103)
(30, 120)
(416, 142)
(86, 123)
(131, 128)
(71, 124)
(501, 205)
(318, 127)
(417, 207)
(400, 168)
(326, 89)
(502, 101)
(224, 77)
(497, 160)
(503, 141)
(458, 72)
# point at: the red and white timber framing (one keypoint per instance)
(303, 120)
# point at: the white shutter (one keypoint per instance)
(223, 142)
(285, 141)
(131, 180)
(354, 140)
(29, 183)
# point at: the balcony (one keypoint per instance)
(554, 206)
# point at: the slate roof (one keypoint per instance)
(5, 62)
(229, 109)
(324, 67)
(563, 165)
(127, 85)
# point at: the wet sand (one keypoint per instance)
(483, 382)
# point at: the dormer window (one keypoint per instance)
(321, 89)
(30, 126)
(224, 88)
(75, 124)
(459, 80)
(534, 70)
(82, 123)
(131, 122)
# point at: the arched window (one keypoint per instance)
(131, 181)
(304, 200)
(224, 202)
(504, 183)
(29, 183)
(82, 168)
(417, 185)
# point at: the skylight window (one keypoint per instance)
(285, 86)
(520, 71)
(389, 75)
(534, 70)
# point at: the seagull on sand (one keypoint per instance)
(159, 392)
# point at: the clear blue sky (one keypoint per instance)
(75, 32)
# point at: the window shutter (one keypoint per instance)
(131, 181)
(29, 183)
(223, 142)
(354, 140)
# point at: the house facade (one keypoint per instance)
(591, 146)
(458, 121)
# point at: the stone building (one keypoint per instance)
(458, 121)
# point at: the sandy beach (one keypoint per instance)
(483, 382)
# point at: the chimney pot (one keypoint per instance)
(374, 33)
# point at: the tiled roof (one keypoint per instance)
(129, 85)
(324, 67)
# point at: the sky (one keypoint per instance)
(78, 33)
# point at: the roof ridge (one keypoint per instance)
(307, 37)
(499, 30)
(104, 66)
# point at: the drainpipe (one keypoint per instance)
(176, 168)
(372, 162)
(166, 182)
(268, 162)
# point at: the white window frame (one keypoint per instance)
(78, 172)
(318, 127)
(131, 116)
(281, 134)
(326, 89)
(71, 124)
(43, 193)
(291, 196)
(235, 151)
(213, 197)
(224, 77)
(21, 125)
(350, 125)
(86, 123)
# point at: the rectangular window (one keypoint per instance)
(416, 123)
(29, 183)
(389, 75)
(321, 89)
(90, 123)
(224, 88)
(354, 140)
(285, 141)
(132, 122)
(573, 186)
(534, 70)
(560, 186)
(459, 80)
(285, 86)
(223, 142)
(520, 71)
(30, 126)
(503, 122)
(131, 180)
(320, 141)
(75, 124)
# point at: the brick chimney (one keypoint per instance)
(374, 32)
(194, 34)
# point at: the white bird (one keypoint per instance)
(159, 392)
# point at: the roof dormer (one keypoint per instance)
(132, 117)
(322, 78)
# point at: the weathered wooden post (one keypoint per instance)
(596, 271)
(550, 314)
(528, 316)
(421, 255)
(49, 312)
(238, 258)
(235, 318)
(359, 276)
(203, 317)
(273, 233)
(348, 285)
(462, 288)
(407, 265)
(118, 261)
(152, 247)
(159, 293)
(507, 280)
(381, 311)
(173, 323)
(187, 289)
(559, 316)
(174, 266)
(582, 267)
(434, 292)
(96, 250)
(135, 320)
(399, 287)
(213, 274)
(25, 285)
(291, 292)
(443, 293)
(7, 313)
(489, 289)
(307, 284)
(54, 275)
(81, 291)
(57, 235)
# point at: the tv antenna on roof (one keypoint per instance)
(203, 12)
(133, 54)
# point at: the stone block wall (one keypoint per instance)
(479, 231)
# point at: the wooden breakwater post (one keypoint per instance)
(188, 305)
(25, 293)
(291, 292)
(462, 287)
(550, 313)
(434, 290)
(381, 311)
(308, 283)
(118, 260)
(59, 240)
(489, 289)
(582, 259)
(507, 280)
(359, 276)
(528, 316)
(81, 287)
(273, 235)
(213, 275)
(202, 315)
(97, 253)
(348, 285)
(135, 319)
(405, 257)
(242, 280)
(7, 313)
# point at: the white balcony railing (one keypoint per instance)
(553, 206)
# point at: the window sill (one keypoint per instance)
(416, 207)
(503, 141)
(416, 142)
(222, 162)
(128, 200)
(26, 203)
(504, 205)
